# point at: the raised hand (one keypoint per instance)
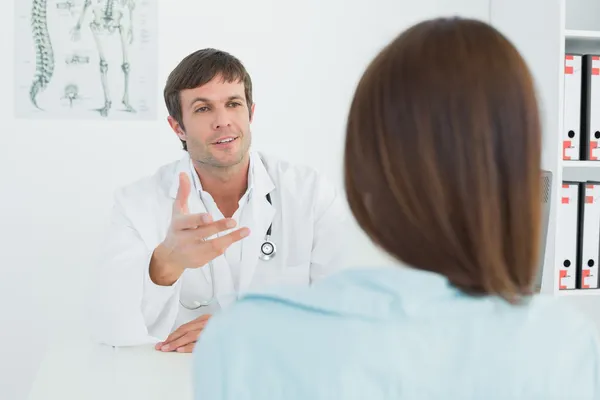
(186, 244)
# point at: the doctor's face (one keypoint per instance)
(216, 123)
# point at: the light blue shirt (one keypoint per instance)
(395, 333)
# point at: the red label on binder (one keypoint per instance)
(563, 274)
(593, 145)
(585, 274)
(566, 145)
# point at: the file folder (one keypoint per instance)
(590, 236)
(591, 106)
(573, 81)
(568, 235)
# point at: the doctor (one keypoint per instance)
(221, 221)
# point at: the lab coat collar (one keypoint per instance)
(261, 180)
(260, 216)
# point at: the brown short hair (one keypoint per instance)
(442, 156)
(196, 70)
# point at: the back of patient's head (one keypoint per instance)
(442, 156)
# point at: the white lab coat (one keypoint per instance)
(309, 222)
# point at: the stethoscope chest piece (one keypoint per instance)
(267, 250)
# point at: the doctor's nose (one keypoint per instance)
(221, 120)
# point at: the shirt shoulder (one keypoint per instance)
(354, 324)
(565, 344)
(141, 189)
(292, 175)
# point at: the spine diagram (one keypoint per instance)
(43, 50)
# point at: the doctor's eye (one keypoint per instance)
(235, 104)
(201, 109)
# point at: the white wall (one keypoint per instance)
(58, 176)
(583, 14)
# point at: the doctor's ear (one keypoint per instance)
(177, 128)
(251, 111)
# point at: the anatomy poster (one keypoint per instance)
(86, 59)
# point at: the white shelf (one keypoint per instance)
(579, 292)
(581, 164)
(582, 42)
(582, 35)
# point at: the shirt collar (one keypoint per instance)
(259, 177)
(198, 185)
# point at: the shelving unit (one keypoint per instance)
(579, 292)
(580, 171)
(580, 34)
(581, 164)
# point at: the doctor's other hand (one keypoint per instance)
(183, 339)
(186, 244)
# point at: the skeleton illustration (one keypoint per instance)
(109, 16)
(71, 93)
(44, 53)
(65, 5)
(77, 59)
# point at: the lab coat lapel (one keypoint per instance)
(260, 216)
(222, 272)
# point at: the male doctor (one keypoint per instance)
(218, 205)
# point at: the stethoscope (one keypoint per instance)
(268, 249)
(267, 252)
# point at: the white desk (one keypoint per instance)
(84, 370)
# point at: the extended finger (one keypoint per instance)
(220, 244)
(164, 346)
(192, 325)
(188, 348)
(188, 338)
(207, 231)
(202, 318)
(191, 221)
(180, 205)
(179, 332)
(185, 328)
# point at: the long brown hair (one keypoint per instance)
(442, 156)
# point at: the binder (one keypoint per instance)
(572, 81)
(591, 106)
(590, 236)
(568, 235)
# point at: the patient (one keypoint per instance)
(442, 171)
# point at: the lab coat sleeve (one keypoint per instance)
(330, 229)
(127, 307)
